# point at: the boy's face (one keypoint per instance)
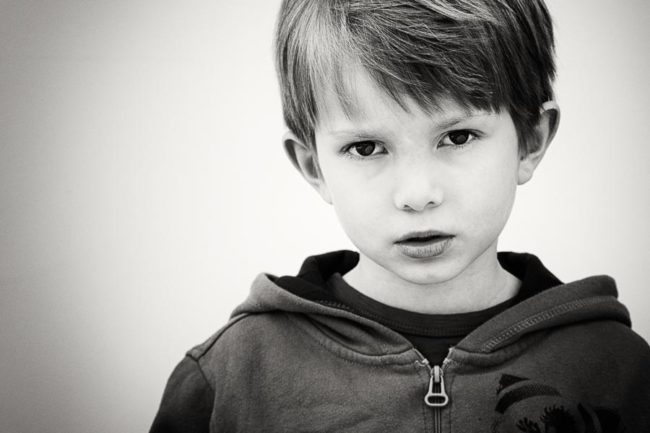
(391, 173)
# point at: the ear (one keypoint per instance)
(305, 159)
(544, 132)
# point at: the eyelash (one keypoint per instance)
(347, 149)
(472, 135)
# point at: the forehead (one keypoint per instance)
(356, 99)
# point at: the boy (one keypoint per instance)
(416, 120)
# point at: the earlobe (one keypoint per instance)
(544, 133)
(305, 159)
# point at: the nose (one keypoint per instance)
(417, 185)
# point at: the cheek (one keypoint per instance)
(356, 204)
(348, 186)
(359, 204)
(490, 195)
(501, 204)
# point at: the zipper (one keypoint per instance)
(436, 397)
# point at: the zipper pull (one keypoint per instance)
(436, 398)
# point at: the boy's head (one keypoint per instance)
(487, 54)
(417, 120)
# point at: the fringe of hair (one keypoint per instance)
(485, 54)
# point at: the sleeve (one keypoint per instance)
(187, 401)
(636, 371)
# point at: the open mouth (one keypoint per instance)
(424, 245)
(422, 238)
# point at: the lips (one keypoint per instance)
(422, 237)
(424, 244)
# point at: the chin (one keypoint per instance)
(425, 274)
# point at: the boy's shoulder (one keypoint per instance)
(586, 311)
(243, 331)
(582, 315)
(278, 346)
(610, 342)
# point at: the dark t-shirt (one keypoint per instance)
(434, 334)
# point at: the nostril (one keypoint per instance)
(409, 207)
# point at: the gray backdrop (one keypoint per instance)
(142, 187)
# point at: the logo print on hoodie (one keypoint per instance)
(530, 407)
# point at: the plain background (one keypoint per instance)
(143, 186)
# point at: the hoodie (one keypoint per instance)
(292, 360)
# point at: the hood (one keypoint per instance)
(589, 299)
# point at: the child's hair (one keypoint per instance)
(485, 54)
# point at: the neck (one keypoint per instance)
(484, 283)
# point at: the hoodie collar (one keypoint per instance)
(592, 298)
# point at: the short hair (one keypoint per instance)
(484, 54)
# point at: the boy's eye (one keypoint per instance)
(458, 138)
(364, 148)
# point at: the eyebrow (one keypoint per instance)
(369, 133)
